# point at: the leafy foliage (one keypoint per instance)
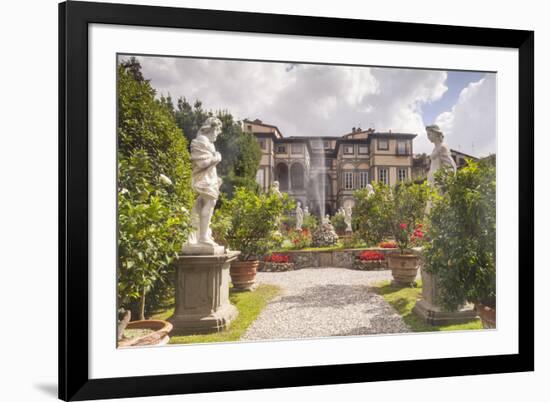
(240, 150)
(461, 253)
(338, 221)
(254, 221)
(154, 181)
(391, 212)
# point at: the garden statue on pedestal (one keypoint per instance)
(299, 216)
(347, 218)
(202, 268)
(206, 183)
(428, 307)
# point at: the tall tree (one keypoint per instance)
(154, 190)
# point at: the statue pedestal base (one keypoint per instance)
(433, 314)
(202, 294)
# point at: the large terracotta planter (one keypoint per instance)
(404, 268)
(158, 337)
(487, 315)
(243, 274)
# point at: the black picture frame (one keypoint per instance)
(74, 18)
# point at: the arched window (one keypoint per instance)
(281, 175)
(297, 176)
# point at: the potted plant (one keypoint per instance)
(253, 230)
(404, 265)
(395, 213)
(141, 332)
(462, 232)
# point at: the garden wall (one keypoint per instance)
(336, 258)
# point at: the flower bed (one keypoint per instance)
(276, 263)
(370, 260)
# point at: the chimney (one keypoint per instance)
(353, 130)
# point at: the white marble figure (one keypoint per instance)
(275, 188)
(440, 156)
(206, 183)
(306, 211)
(370, 190)
(299, 216)
(326, 220)
(347, 218)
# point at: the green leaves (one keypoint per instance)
(249, 222)
(463, 233)
(381, 215)
(154, 181)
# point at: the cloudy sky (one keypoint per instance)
(313, 100)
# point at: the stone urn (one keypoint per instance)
(404, 268)
(487, 315)
(243, 274)
(155, 332)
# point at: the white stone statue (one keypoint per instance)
(275, 188)
(440, 156)
(326, 220)
(206, 183)
(370, 190)
(299, 216)
(347, 218)
(306, 211)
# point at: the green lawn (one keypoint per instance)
(404, 299)
(249, 304)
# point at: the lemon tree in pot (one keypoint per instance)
(397, 213)
(462, 232)
(252, 227)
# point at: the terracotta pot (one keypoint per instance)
(488, 315)
(243, 274)
(159, 337)
(404, 268)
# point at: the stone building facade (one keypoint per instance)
(312, 169)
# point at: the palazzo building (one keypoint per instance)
(315, 169)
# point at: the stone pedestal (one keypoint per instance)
(202, 294)
(432, 313)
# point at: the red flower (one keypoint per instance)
(369, 255)
(278, 258)
(403, 226)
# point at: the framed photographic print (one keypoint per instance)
(258, 200)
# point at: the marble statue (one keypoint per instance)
(306, 211)
(299, 216)
(326, 220)
(441, 155)
(275, 188)
(206, 183)
(347, 218)
(370, 190)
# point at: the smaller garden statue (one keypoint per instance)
(370, 190)
(299, 216)
(275, 190)
(347, 218)
(306, 211)
(325, 235)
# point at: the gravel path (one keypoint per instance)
(320, 302)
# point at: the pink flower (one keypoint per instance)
(403, 226)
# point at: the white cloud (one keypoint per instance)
(304, 99)
(470, 126)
